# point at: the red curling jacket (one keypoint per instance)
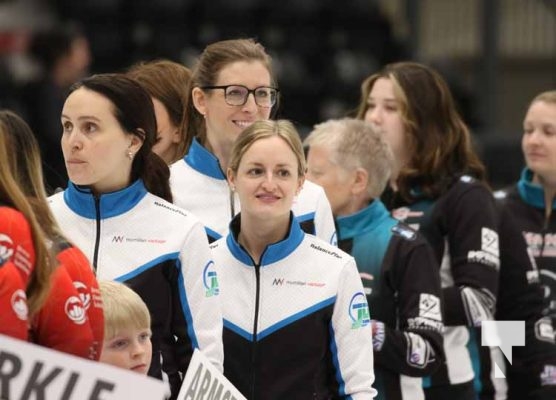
(17, 260)
(72, 319)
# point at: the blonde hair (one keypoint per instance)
(265, 129)
(355, 144)
(123, 309)
(546, 97)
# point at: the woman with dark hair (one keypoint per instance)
(117, 210)
(438, 186)
(71, 318)
(167, 82)
(232, 86)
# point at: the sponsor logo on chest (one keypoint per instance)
(541, 245)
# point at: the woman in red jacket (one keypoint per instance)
(71, 319)
(24, 257)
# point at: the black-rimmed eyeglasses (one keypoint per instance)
(236, 95)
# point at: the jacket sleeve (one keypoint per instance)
(13, 302)
(473, 249)
(86, 285)
(196, 303)
(351, 337)
(16, 242)
(61, 323)
(17, 261)
(521, 298)
(415, 349)
(324, 220)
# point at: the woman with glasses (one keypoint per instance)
(232, 86)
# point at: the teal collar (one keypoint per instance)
(362, 221)
(532, 193)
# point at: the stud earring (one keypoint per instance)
(130, 154)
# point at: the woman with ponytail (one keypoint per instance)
(117, 209)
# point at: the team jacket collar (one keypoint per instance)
(363, 220)
(531, 193)
(274, 252)
(82, 201)
(202, 160)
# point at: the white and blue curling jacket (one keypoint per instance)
(296, 326)
(200, 186)
(162, 253)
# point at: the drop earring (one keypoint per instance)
(130, 154)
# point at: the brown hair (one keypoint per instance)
(440, 144)
(21, 187)
(214, 58)
(168, 82)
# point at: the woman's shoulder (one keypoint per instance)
(320, 250)
(160, 209)
(12, 219)
(467, 184)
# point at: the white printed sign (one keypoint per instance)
(28, 371)
(204, 381)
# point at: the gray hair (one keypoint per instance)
(355, 144)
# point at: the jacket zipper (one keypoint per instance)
(544, 231)
(97, 238)
(255, 324)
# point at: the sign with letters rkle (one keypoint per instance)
(28, 371)
(204, 381)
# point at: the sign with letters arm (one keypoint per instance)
(204, 381)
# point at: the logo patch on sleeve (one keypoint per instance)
(429, 307)
(548, 375)
(359, 311)
(544, 330)
(6, 248)
(75, 310)
(489, 253)
(19, 304)
(418, 352)
(404, 231)
(210, 280)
